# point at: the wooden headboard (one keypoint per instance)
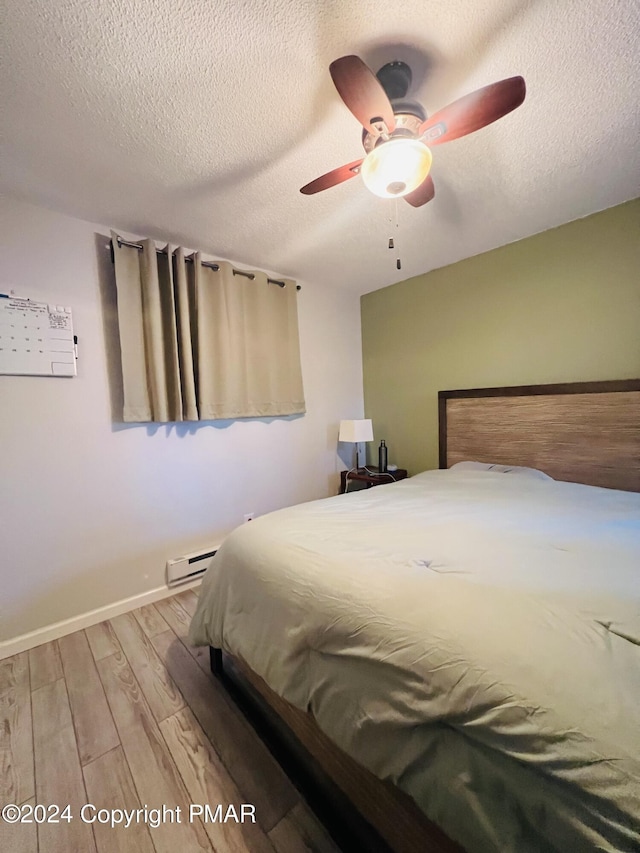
(582, 432)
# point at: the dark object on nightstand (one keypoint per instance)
(382, 457)
(370, 476)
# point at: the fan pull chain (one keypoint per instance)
(392, 242)
(398, 261)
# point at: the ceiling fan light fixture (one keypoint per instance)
(397, 167)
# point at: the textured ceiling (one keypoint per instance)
(198, 121)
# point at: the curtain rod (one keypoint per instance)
(209, 264)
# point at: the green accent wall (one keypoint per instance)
(562, 306)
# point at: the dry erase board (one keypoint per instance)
(36, 338)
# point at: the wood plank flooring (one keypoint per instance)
(126, 716)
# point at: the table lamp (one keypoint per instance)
(356, 432)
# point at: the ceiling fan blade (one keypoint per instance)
(363, 94)
(473, 111)
(337, 176)
(423, 194)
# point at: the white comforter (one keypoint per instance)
(472, 636)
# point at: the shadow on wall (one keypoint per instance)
(109, 304)
(345, 451)
(191, 427)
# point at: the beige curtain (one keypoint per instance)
(204, 344)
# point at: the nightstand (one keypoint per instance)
(370, 477)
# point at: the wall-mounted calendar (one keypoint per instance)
(36, 338)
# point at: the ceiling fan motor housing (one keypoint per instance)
(395, 78)
(407, 125)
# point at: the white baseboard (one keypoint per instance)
(85, 620)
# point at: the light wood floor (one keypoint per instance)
(127, 714)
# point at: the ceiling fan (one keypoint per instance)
(397, 135)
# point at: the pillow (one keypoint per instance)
(501, 469)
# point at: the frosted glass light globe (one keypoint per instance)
(396, 167)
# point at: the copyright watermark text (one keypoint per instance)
(151, 817)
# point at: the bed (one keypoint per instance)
(469, 636)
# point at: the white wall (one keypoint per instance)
(92, 509)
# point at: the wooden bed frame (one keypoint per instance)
(581, 432)
(362, 813)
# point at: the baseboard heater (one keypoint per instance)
(189, 567)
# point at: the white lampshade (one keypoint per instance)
(397, 167)
(361, 430)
